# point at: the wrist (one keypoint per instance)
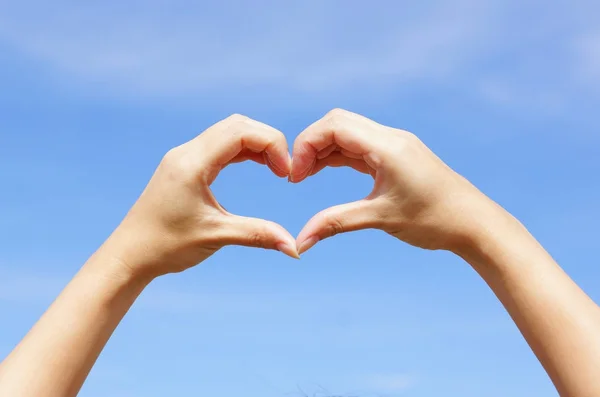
(135, 251)
(490, 228)
(111, 262)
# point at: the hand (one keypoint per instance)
(416, 198)
(177, 222)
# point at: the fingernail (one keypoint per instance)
(306, 172)
(288, 249)
(272, 164)
(307, 244)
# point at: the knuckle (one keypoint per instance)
(177, 164)
(337, 113)
(236, 118)
(335, 118)
(409, 136)
(212, 233)
(256, 239)
(232, 125)
(273, 134)
(171, 158)
(271, 140)
(401, 142)
(334, 226)
(381, 217)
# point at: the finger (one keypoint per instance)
(259, 233)
(337, 159)
(247, 155)
(260, 158)
(351, 155)
(228, 138)
(327, 151)
(351, 132)
(358, 215)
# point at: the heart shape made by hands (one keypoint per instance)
(313, 150)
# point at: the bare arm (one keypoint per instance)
(175, 224)
(57, 354)
(558, 320)
(420, 200)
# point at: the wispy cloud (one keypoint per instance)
(530, 55)
(181, 47)
(29, 288)
(337, 311)
(378, 385)
(587, 57)
(390, 383)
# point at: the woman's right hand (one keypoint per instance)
(416, 198)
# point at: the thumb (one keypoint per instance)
(358, 215)
(254, 232)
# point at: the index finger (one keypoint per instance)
(224, 141)
(350, 131)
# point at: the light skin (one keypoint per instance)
(177, 223)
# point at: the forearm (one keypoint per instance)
(558, 320)
(56, 356)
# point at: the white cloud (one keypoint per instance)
(548, 60)
(587, 58)
(180, 48)
(29, 288)
(513, 94)
(390, 383)
(346, 316)
(519, 55)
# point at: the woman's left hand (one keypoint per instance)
(177, 222)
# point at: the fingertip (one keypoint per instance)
(281, 168)
(305, 245)
(293, 179)
(297, 179)
(301, 168)
(288, 249)
(286, 162)
(303, 159)
(285, 242)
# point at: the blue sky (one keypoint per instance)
(93, 94)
